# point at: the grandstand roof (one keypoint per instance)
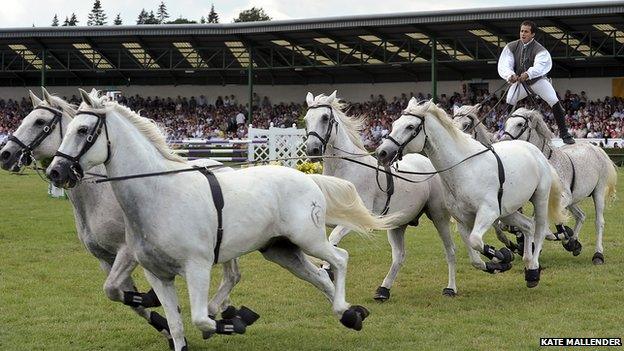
(585, 40)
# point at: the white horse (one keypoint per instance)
(174, 222)
(99, 218)
(333, 134)
(482, 184)
(466, 118)
(585, 170)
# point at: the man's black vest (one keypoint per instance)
(524, 56)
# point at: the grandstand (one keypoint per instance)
(444, 52)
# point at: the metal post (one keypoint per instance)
(434, 67)
(43, 67)
(250, 83)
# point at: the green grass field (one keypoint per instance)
(51, 294)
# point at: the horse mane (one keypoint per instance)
(470, 110)
(537, 120)
(353, 126)
(146, 126)
(66, 107)
(430, 108)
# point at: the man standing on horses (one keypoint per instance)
(524, 63)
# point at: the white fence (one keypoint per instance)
(261, 145)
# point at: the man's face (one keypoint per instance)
(525, 34)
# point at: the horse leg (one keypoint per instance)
(165, 289)
(231, 277)
(599, 205)
(500, 234)
(121, 270)
(569, 238)
(351, 316)
(500, 259)
(335, 237)
(197, 275)
(442, 224)
(475, 258)
(289, 256)
(540, 214)
(339, 232)
(396, 238)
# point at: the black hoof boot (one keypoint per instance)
(248, 316)
(449, 292)
(353, 317)
(382, 294)
(231, 326)
(573, 246)
(507, 255)
(503, 255)
(532, 277)
(330, 273)
(514, 248)
(497, 267)
(136, 299)
(598, 259)
(362, 311)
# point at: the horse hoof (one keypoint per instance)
(577, 248)
(206, 335)
(352, 319)
(448, 292)
(330, 273)
(532, 277)
(598, 259)
(508, 255)
(248, 316)
(382, 294)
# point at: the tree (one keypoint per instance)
(97, 17)
(181, 20)
(117, 21)
(55, 21)
(142, 17)
(213, 17)
(66, 22)
(151, 19)
(202, 20)
(73, 20)
(161, 13)
(252, 15)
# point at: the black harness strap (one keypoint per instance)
(390, 191)
(501, 178)
(573, 182)
(217, 197)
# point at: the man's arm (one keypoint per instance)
(505, 66)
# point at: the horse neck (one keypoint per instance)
(444, 150)
(86, 195)
(343, 146)
(132, 153)
(483, 135)
(541, 143)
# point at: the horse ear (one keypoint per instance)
(34, 99)
(309, 99)
(478, 107)
(332, 97)
(46, 96)
(85, 97)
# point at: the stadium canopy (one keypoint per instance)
(585, 40)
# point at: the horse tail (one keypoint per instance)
(556, 211)
(345, 207)
(611, 181)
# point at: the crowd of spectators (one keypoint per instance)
(194, 117)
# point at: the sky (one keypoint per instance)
(26, 13)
